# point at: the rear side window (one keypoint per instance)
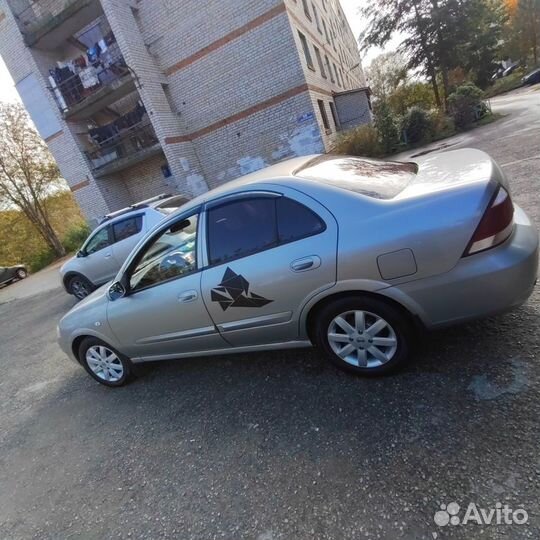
(377, 179)
(248, 226)
(240, 228)
(295, 221)
(126, 228)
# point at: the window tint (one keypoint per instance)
(295, 221)
(170, 255)
(126, 228)
(239, 228)
(99, 241)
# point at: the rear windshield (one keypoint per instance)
(377, 179)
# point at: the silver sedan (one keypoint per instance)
(348, 254)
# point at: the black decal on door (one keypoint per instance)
(233, 291)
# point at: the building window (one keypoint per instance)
(334, 115)
(336, 72)
(306, 9)
(307, 54)
(329, 68)
(319, 61)
(322, 110)
(325, 30)
(316, 15)
(166, 171)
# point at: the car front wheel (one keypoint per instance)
(21, 273)
(106, 365)
(364, 335)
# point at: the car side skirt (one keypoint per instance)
(230, 350)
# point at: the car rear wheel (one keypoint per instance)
(21, 273)
(80, 287)
(364, 335)
(106, 365)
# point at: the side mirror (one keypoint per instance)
(116, 291)
(81, 254)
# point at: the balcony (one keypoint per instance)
(124, 150)
(46, 24)
(81, 95)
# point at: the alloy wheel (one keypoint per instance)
(362, 339)
(104, 363)
(79, 288)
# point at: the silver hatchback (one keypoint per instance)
(344, 253)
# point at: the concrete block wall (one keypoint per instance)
(21, 62)
(126, 23)
(226, 86)
(324, 27)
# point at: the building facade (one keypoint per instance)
(140, 97)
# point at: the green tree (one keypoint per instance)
(386, 72)
(28, 174)
(436, 32)
(385, 123)
(413, 94)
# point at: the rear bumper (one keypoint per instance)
(480, 285)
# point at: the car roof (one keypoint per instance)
(280, 170)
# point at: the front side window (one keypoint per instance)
(170, 255)
(127, 227)
(99, 241)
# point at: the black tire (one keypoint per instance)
(21, 273)
(397, 319)
(79, 286)
(127, 371)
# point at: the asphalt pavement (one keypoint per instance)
(281, 445)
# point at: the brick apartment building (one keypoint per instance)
(140, 97)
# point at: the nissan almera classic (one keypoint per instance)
(344, 253)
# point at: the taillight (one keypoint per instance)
(496, 224)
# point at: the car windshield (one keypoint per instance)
(377, 179)
(171, 205)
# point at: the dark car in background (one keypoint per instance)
(12, 273)
(532, 78)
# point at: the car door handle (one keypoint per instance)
(306, 263)
(187, 296)
(108, 255)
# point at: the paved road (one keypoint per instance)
(46, 280)
(280, 445)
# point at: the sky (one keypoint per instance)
(350, 7)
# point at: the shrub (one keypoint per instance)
(360, 141)
(416, 125)
(413, 94)
(41, 259)
(463, 102)
(386, 126)
(440, 125)
(75, 237)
